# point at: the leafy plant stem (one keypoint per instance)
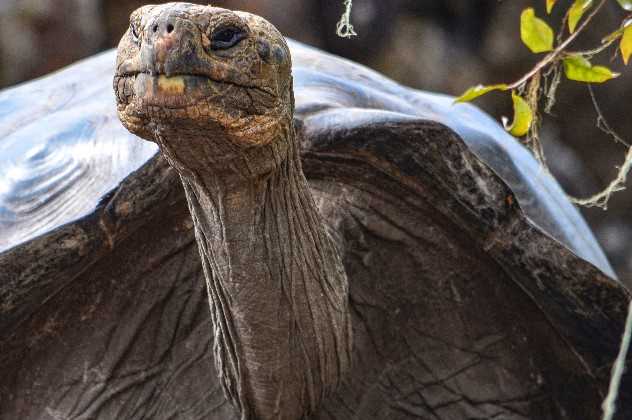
(553, 55)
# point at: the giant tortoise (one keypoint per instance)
(368, 250)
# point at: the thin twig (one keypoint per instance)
(618, 184)
(602, 124)
(533, 137)
(552, 78)
(594, 51)
(609, 404)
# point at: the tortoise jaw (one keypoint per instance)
(175, 91)
(177, 100)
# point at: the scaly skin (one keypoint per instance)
(213, 89)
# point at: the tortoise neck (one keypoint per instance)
(277, 288)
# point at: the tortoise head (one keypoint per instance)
(203, 82)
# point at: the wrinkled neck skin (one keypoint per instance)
(277, 288)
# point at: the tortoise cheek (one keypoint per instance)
(279, 56)
(263, 49)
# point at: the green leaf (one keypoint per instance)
(626, 4)
(626, 44)
(523, 117)
(535, 33)
(476, 91)
(577, 68)
(576, 12)
(551, 3)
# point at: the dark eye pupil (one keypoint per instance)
(226, 35)
(226, 38)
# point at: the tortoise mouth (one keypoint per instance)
(172, 91)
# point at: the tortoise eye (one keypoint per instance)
(225, 38)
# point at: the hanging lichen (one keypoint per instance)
(344, 28)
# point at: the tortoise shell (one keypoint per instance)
(477, 289)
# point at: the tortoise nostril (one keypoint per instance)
(155, 28)
(169, 28)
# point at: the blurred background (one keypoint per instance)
(437, 45)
